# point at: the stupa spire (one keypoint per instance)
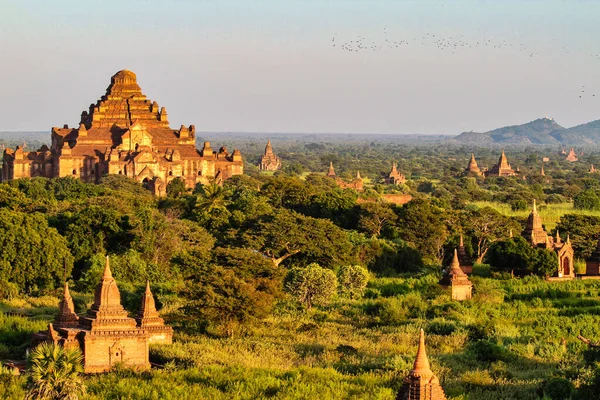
(66, 317)
(421, 366)
(107, 272)
(461, 243)
(331, 171)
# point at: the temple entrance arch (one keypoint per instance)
(566, 266)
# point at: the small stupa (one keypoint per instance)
(421, 383)
(457, 280)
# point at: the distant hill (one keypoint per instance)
(540, 131)
(581, 134)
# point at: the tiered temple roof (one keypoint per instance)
(458, 281)
(534, 232)
(466, 263)
(473, 168)
(421, 383)
(269, 161)
(124, 133)
(572, 157)
(395, 177)
(502, 168)
(106, 335)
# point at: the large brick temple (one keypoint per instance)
(125, 133)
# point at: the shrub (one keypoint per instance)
(353, 280)
(559, 389)
(311, 285)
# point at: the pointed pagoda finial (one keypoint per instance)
(421, 365)
(557, 236)
(568, 238)
(455, 263)
(510, 233)
(358, 175)
(461, 243)
(107, 273)
(148, 287)
(534, 207)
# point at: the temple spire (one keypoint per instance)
(331, 171)
(358, 175)
(107, 273)
(461, 243)
(534, 207)
(421, 366)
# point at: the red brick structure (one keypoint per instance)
(536, 235)
(269, 161)
(473, 168)
(466, 263)
(592, 263)
(395, 177)
(106, 335)
(356, 184)
(457, 280)
(421, 383)
(571, 157)
(124, 133)
(502, 168)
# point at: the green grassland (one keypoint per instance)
(505, 343)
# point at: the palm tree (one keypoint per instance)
(211, 198)
(54, 373)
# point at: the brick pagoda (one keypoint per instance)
(106, 335)
(421, 383)
(269, 161)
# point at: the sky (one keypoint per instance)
(286, 66)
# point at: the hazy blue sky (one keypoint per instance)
(271, 65)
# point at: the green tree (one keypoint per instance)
(583, 229)
(375, 217)
(353, 280)
(238, 286)
(311, 285)
(587, 200)
(176, 188)
(55, 373)
(284, 234)
(33, 254)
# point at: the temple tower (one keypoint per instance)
(395, 177)
(466, 263)
(331, 170)
(269, 161)
(473, 168)
(66, 317)
(149, 320)
(502, 168)
(571, 157)
(462, 288)
(534, 232)
(421, 383)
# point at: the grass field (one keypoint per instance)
(505, 343)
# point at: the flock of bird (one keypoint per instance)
(452, 44)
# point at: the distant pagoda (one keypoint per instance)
(466, 263)
(421, 383)
(457, 280)
(536, 235)
(269, 161)
(395, 177)
(502, 168)
(473, 168)
(331, 170)
(571, 157)
(592, 169)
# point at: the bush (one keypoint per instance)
(353, 280)
(559, 389)
(311, 285)
(587, 200)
